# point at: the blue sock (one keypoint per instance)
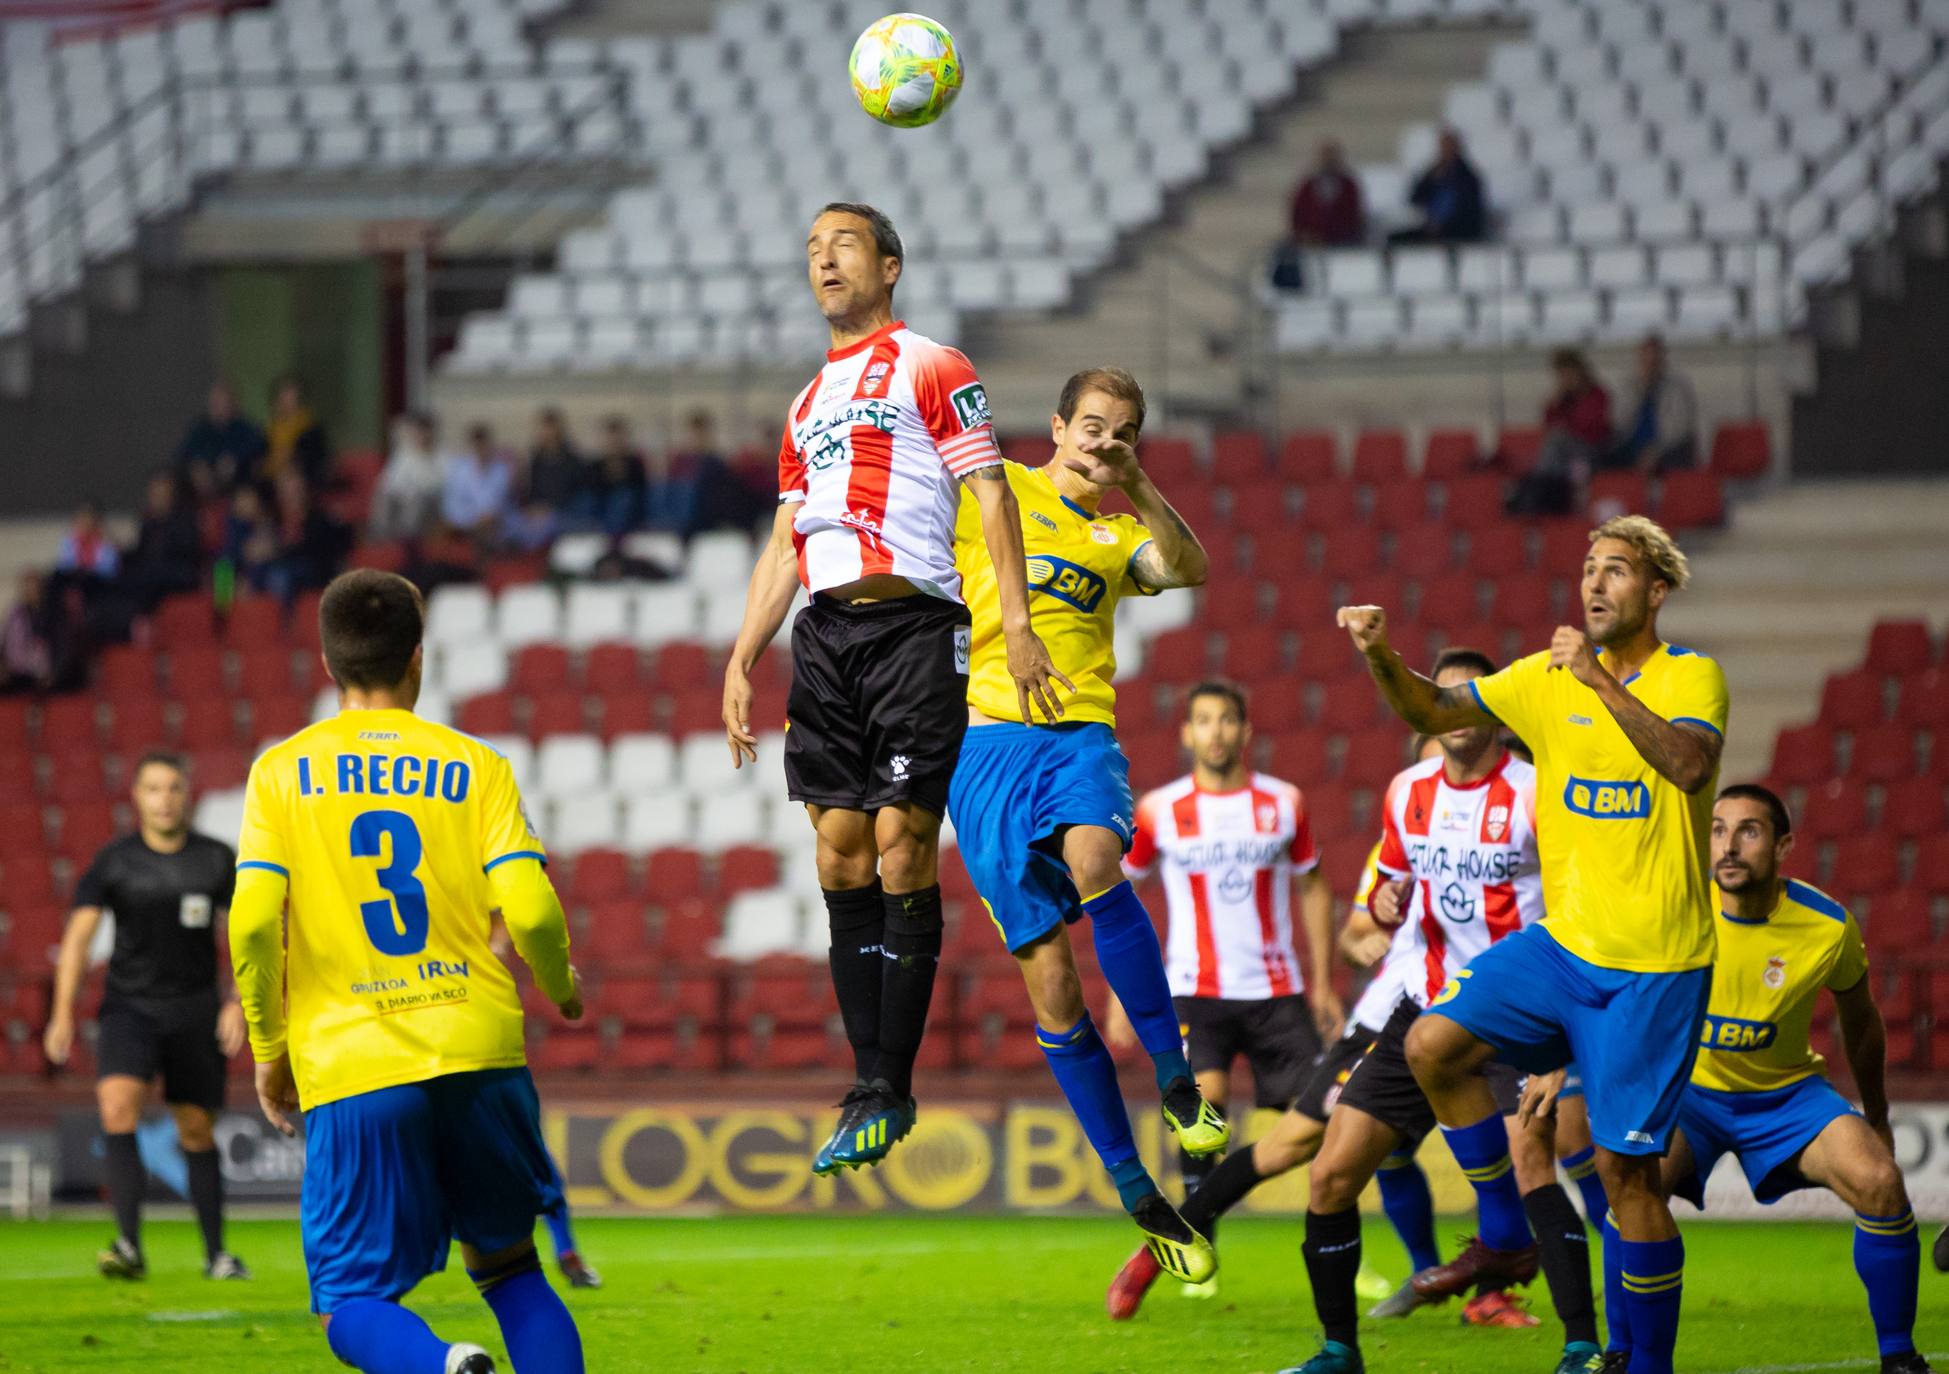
(1654, 1281)
(536, 1328)
(1888, 1257)
(560, 1231)
(1617, 1312)
(381, 1337)
(1133, 966)
(1409, 1205)
(1483, 1152)
(1088, 1078)
(1582, 1169)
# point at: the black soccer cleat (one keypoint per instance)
(1615, 1362)
(121, 1260)
(1178, 1249)
(1940, 1253)
(1908, 1362)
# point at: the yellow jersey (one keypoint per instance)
(1625, 853)
(1765, 982)
(385, 827)
(1079, 567)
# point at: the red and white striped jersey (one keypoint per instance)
(874, 450)
(1469, 853)
(1228, 860)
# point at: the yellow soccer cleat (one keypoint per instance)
(1201, 1128)
(1179, 1251)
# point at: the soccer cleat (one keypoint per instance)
(1370, 1285)
(1334, 1358)
(1201, 1291)
(1580, 1357)
(225, 1266)
(1908, 1362)
(121, 1260)
(468, 1359)
(1615, 1362)
(1497, 1309)
(854, 1108)
(1940, 1252)
(1476, 1264)
(1127, 1289)
(576, 1270)
(876, 1123)
(1402, 1301)
(1201, 1128)
(1179, 1251)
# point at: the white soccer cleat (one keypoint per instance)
(468, 1359)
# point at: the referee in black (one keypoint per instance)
(162, 1013)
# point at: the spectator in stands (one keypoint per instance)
(26, 639)
(475, 487)
(408, 494)
(249, 536)
(295, 438)
(86, 552)
(221, 448)
(556, 475)
(310, 543)
(1449, 197)
(1661, 433)
(1327, 209)
(616, 485)
(168, 553)
(1576, 433)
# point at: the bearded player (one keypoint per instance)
(1626, 731)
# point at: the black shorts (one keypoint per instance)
(878, 704)
(1275, 1034)
(176, 1038)
(1383, 1086)
(1330, 1070)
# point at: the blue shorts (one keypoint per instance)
(1764, 1131)
(1015, 787)
(393, 1177)
(1633, 1036)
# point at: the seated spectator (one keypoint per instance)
(408, 494)
(556, 477)
(250, 539)
(221, 448)
(1449, 197)
(310, 544)
(86, 552)
(27, 638)
(1576, 433)
(1661, 433)
(168, 554)
(615, 488)
(295, 437)
(1327, 210)
(474, 488)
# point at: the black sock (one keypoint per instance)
(1196, 1170)
(858, 917)
(1332, 1253)
(1565, 1248)
(913, 953)
(206, 1192)
(126, 1180)
(1236, 1175)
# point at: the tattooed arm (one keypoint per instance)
(1415, 699)
(1173, 557)
(1683, 753)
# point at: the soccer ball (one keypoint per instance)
(905, 70)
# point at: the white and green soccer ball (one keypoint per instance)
(906, 70)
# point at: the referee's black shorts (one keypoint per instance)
(174, 1037)
(1382, 1085)
(1276, 1035)
(878, 704)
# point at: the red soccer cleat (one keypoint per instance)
(1475, 1265)
(1127, 1289)
(1497, 1309)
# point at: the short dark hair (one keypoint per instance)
(1776, 809)
(1230, 691)
(369, 624)
(885, 237)
(1112, 381)
(1461, 656)
(164, 758)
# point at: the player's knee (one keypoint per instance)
(1335, 1185)
(908, 860)
(1533, 1160)
(195, 1132)
(1878, 1187)
(845, 868)
(1428, 1054)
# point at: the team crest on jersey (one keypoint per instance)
(876, 376)
(1775, 976)
(971, 405)
(1103, 534)
(1268, 817)
(1496, 824)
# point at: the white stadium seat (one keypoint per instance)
(569, 765)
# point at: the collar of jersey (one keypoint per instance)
(1228, 792)
(1483, 781)
(1050, 482)
(833, 355)
(1662, 646)
(1725, 915)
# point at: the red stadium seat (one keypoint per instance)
(218, 770)
(613, 668)
(1447, 601)
(85, 828)
(1424, 551)
(278, 717)
(1261, 508)
(688, 930)
(1155, 755)
(1803, 754)
(13, 723)
(1836, 809)
(1900, 647)
(185, 620)
(1914, 808)
(600, 875)
(197, 671)
(1331, 504)
(1350, 553)
(78, 777)
(1309, 456)
(1851, 701)
(1865, 864)
(138, 724)
(1565, 546)
(1178, 655)
(32, 936)
(1518, 446)
(491, 713)
(301, 627)
(1474, 502)
(1300, 757)
(67, 724)
(679, 666)
(1348, 703)
(675, 874)
(1497, 549)
(208, 722)
(123, 670)
(1235, 453)
(1304, 601)
(1924, 701)
(1883, 753)
(1256, 655)
(1450, 453)
(265, 670)
(387, 555)
(700, 708)
(1380, 456)
(1626, 490)
(557, 713)
(22, 831)
(1164, 453)
(566, 1051)
(1931, 872)
(1741, 450)
(540, 668)
(1276, 707)
(616, 930)
(1523, 602)
(746, 868)
(254, 620)
(17, 774)
(630, 712)
(1898, 920)
(1691, 501)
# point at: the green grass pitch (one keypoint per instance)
(907, 1293)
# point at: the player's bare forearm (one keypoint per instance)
(1173, 557)
(768, 596)
(1316, 913)
(257, 958)
(1685, 755)
(1001, 530)
(1864, 1041)
(536, 923)
(1417, 700)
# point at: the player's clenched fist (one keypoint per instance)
(1367, 625)
(1570, 648)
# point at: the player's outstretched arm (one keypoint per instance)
(1173, 557)
(1415, 699)
(71, 968)
(1683, 753)
(539, 928)
(1001, 529)
(1864, 1040)
(774, 582)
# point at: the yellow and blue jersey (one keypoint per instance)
(1766, 981)
(1625, 853)
(386, 827)
(1079, 567)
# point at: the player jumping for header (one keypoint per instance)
(1626, 731)
(391, 1022)
(875, 452)
(1042, 811)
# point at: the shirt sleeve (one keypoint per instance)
(505, 830)
(1701, 698)
(791, 470)
(1852, 964)
(1392, 856)
(1304, 853)
(92, 889)
(1142, 856)
(1514, 696)
(261, 840)
(227, 881)
(1370, 874)
(954, 407)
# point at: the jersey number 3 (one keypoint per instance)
(398, 923)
